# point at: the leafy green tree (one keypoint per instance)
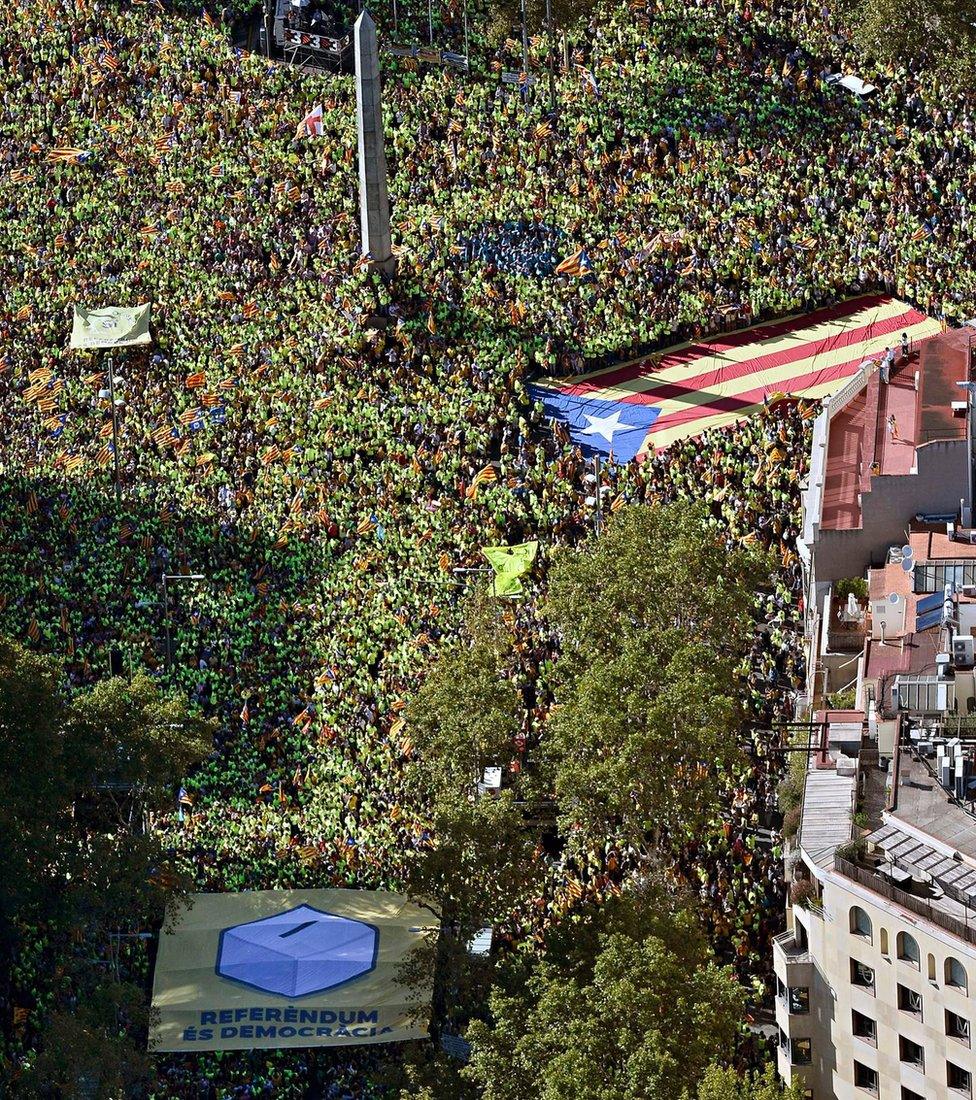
(84, 1053)
(939, 33)
(655, 617)
(77, 777)
(719, 1083)
(625, 1005)
(466, 717)
(467, 713)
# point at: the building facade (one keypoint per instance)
(876, 974)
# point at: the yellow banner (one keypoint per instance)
(289, 968)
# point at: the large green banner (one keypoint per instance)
(111, 327)
(290, 968)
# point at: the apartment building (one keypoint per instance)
(876, 974)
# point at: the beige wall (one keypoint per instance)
(832, 998)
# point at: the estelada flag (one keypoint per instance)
(646, 405)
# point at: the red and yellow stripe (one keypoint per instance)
(708, 384)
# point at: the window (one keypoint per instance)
(800, 934)
(931, 967)
(908, 949)
(910, 1094)
(956, 976)
(864, 1027)
(798, 1000)
(801, 1053)
(911, 1052)
(959, 1079)
(909, 1000)
(884, 941)
(957, 1027)
(934, 578)
(862, 975)
(866, 1078)
(860, 923)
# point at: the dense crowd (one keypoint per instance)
(308, 437)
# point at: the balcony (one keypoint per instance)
(792, 961)
(874, 882)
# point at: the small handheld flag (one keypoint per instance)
(311, 125)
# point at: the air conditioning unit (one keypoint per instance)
(964, 651)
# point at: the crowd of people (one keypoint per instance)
(310, 438)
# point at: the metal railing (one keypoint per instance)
(877, 885)
(786, 942)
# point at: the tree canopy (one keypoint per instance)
(626, 1005)
(940, 33)
(654, 617)
(77, 776)
(466, 717)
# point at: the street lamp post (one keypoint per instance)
(166, 578)
(598, 517)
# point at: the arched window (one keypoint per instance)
(860, 923)
(931, 961)
(884, 941)
(956, 976)
(908, 949)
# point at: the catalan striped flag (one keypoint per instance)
(626, 411)
(68, 156)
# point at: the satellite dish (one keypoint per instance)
(908, 564)
(907, 551)
(894, 599)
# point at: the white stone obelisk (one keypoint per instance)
(374, 201)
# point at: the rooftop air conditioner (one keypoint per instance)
(964, 651)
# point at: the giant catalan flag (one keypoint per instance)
(623, 412)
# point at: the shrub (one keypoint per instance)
(857, 585)
(791, 822)
(802, 893)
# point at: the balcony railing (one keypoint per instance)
(845, 641)
(786, 942)
(876, 884)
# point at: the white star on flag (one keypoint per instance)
(605, 425)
